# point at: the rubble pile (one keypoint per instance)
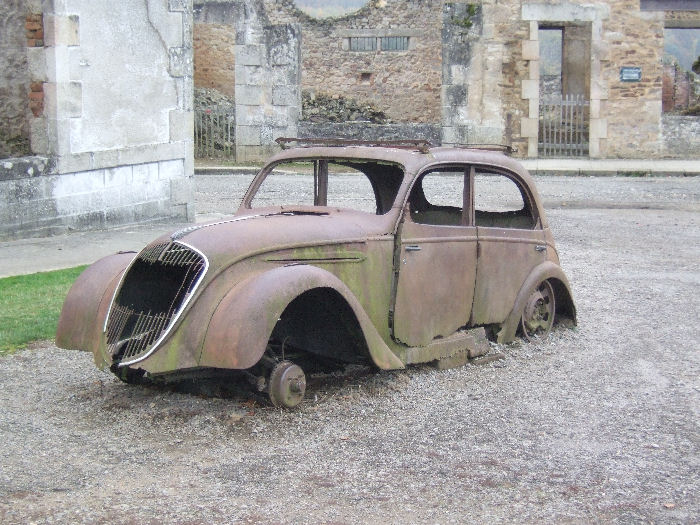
(207, 98)
(322, 107)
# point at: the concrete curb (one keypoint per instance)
(612, 167)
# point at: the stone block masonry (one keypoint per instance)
(404, 83)
(471, 67)
(34, 202)
(214, 58)
(18, 29)
(108, 94)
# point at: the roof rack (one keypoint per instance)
(287, 142)
(488, 147)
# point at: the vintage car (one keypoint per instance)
(387, 254)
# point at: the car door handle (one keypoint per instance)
(412, 248)
(540, 248)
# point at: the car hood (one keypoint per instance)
(230, 240)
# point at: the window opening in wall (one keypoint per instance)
(366, 78)
(394, 43)
(363, 43)
(681, 85)
(551, 41)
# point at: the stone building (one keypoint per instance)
(458, 71)
(95, 114)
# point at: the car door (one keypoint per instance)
(435, 260)
(511, 242)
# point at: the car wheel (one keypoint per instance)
(538, 315)
(287, 385)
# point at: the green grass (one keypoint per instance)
(30, 306)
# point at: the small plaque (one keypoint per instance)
(630, 74)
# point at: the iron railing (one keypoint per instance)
(564, 126)
(215, 132)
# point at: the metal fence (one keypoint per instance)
(215, 132)
(564, 127)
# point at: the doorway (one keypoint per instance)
(565, 77)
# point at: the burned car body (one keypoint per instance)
(390, 255)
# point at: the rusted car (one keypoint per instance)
(389, 255)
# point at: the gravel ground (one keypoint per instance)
(597, 424)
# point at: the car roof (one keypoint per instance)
(414, 158)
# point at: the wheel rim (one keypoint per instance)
(287, 385)
(538, 315)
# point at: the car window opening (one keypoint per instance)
(444, 196)
(367, 186)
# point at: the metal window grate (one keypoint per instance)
(151, 296)
(363, 43)
(394, 43)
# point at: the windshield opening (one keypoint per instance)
(361, 185)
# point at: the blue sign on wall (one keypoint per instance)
(630, 74)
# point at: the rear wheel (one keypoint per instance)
(538, 315)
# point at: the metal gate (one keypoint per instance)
(215, 132)
(564, 126)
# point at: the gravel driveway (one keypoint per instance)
(598, 424)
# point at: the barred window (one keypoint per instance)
(394, 43)
(363, 43)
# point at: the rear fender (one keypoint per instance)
(562, 291)
(241, 326)
(87, 303)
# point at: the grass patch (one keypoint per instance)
(30, 306)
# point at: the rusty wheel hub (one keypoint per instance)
(287, 385)
(538, 315)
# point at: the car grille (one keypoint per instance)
(152, 294)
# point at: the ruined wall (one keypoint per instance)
(114, 133)
(267, 74)
(403, 84)
(214, 57)
(679, 89)
(14, 78)
(473, 67)
(633, 109)
(483, 71)
(681, 136)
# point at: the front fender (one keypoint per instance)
(86, 305)
(562, 290)
(241, 326)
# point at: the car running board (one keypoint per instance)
(450, 352)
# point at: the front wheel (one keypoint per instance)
(538, 315)
(287, 385)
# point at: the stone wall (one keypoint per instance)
(35, 201)
(633, 109)
(114, 133)
(403, 84)
(681, 136)
(267, 71)
(473, 67)
(14, 82)
(214, 57)
(376, 132)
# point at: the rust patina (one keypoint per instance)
(428, 264)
